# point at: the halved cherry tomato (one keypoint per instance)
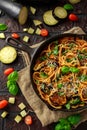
(3, 104)
(28, 120)
(44, 32)
(73, 17)
(15, 35)
(8, 71)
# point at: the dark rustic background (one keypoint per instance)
(80, 9)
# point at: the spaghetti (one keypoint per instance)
(60, 73)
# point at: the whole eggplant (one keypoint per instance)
(15, 10)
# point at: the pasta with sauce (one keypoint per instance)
(60, 73)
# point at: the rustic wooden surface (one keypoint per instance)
(13, 26)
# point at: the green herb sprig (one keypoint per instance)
(68, 122)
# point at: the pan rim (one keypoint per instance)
(48, 41)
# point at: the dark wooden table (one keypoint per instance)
(13, 26)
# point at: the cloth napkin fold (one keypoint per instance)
(44, 114)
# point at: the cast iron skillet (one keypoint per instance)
(34, 53)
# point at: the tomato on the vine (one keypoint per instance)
(73, 17)
(8, 71)
(44, 32)
(15, 35)
(3, 103)
(28, 120)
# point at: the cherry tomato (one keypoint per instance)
(73, 17)
(8, 71)
(3, 104)
(44, 32)
(28, 120)
(15, 35)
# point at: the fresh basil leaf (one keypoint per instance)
(74, 119)
(10, 83)
(3, 27)
(13, 76)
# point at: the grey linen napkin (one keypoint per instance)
(44, 114)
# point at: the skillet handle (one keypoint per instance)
(21, 46)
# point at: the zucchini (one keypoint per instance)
(74, 1)
(8, 54)
(37, 22)
(21, 106)
(4, 114)
(2, 36)
(11, 100)
(23, 15)
(49, 19)
(31, 30)
(25, 29)
(23, 113)
(26, 38)
(18, 118)
(38, 31)
(33, 10)
(60, 13)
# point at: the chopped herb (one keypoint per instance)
(56, 42)
(71, 45)
(85, 56)
(67, 106)
(77, 84)
(57, 77)
(60, 85)
(51, 65)
(81, 56)
(64, 52)
(60, 93)
(74, 69)
(84, 51)
(42, 58)
(45, 88)
(75, 101)
(65, 69)
(49, 53)
(44, 75)
(55, 50)
(37, 81)
(83, 78)
(68, 60)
